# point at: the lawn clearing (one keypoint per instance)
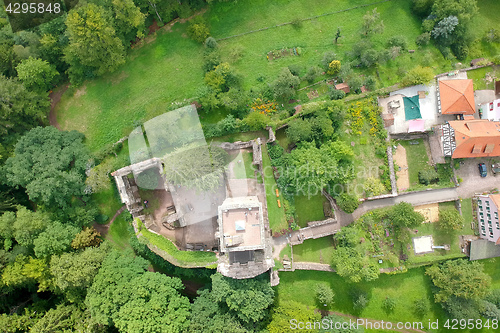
(318, 250)
(277, 219)
(119, 231)
(417, 158)
(478, 77)
(309, 209)
(404, 288)
(147, 85)
(242, 165)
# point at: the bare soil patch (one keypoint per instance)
(403, 180)
(55, 97)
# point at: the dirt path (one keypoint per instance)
(104, 228)
(403, 180)
(55, 97)
(380, 323)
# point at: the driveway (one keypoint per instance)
(472, 181)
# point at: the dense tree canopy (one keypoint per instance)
(93, 44)
(36, 74)
(122, 286)
(50, 164)
(459, 278)
(20, 108)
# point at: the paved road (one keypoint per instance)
(417, 198)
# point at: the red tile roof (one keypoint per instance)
(457, 96)
(476, 138)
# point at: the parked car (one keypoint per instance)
(482, 170)
(495, 168)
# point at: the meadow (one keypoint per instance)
(166, 71)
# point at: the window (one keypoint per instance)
(488, 209)
(498, 104)
(496, 215)
(491, 106)
(487, 203)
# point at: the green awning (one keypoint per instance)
(412, 108)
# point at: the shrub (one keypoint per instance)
(198, 31)
(418, 75)
(211, 59)
(328, 57)
(369, 57)
(324, 294)
(236, 52)
(297, 23)
(211, 43)
(421, 307)
(428, 176)
(389, 304)
(355, 84)
(312, 74)
(399, 41)
(256, 120)
(370, 83)
(335, 94)
(348, 202)
(295, 69)
(360, 302)
(373, 186)
(496, 60)
(423, 39)
(460, 50)
(333, 67)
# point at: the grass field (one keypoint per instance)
(417, 159)
(277, 220)
(155, 76)
(119, 233)
(318, 250)
(242, 166)
(309, 209)
(314, 36)
(366, 162)
(404, 288)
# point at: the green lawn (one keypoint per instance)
(366, 162)
(478, 77)
(318, 250)
(314, 37)
(417, 159)
(242, 165)
(282, 139)
(180, 258)
(166, 72)
(155, 76)
(309, 209)
(277, 220)
(119, 233)
(467, 210)
(442, 237)
(404, 288)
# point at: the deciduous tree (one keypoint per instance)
(93, 44)
(459, 278)
(50, 164)
(36, 74)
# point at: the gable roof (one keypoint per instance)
(457, 96)
(476, 138)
